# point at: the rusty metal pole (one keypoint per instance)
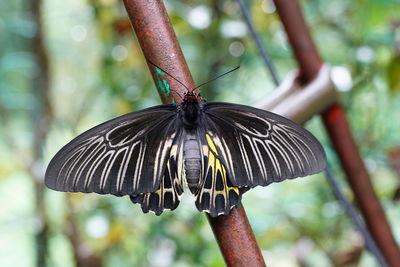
(339, 131)
(159, 44)
(236, 239)
(300, 39)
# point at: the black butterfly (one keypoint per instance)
(222, 149)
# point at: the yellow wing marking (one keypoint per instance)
(216, 167)
(211, 144)
(215, 182)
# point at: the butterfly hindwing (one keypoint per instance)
(167, 196)
(124, 156)
(260, 147)
(216, 194)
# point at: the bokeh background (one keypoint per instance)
(66, 66)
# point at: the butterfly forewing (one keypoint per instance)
(259, 147)
(124, 156)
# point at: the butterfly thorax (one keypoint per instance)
(190, 108)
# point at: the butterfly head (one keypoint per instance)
(190, 96)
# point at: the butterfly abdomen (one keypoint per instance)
(192, 159)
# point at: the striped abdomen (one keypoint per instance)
(192, 157)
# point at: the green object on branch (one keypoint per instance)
(162, 84)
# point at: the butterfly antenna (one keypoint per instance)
(219, 76)
(168, 75)
(179, 94)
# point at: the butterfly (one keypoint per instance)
(220, 150)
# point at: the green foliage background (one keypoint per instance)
(88, 68)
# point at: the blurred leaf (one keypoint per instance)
(393, 74)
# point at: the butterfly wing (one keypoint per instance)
(258, 147)
(124, 156)
(216, 194)
(167, 196)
